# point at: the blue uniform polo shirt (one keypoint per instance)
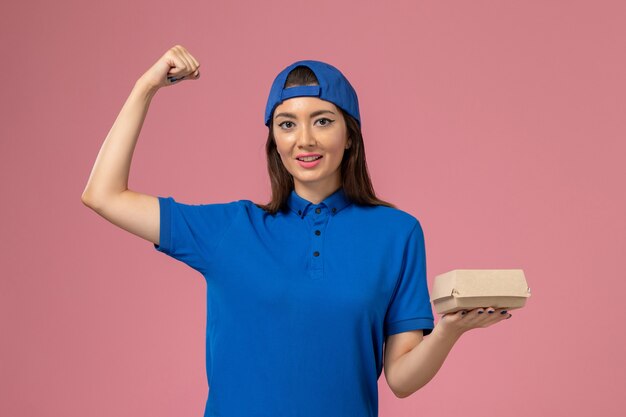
(299, 303)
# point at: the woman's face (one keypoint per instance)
(309, 125)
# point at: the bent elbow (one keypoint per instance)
(401, 395)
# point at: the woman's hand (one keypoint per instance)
(464, 320)
(175, 65)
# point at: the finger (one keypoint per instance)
(488, 317)
(192, 68)
(194, 60)
(178, 65)
(502, 314)
(476, 317)
(456, 315)
(498, 314)
(179, 52)
(194, 65)
(189, 66)
(174, 79)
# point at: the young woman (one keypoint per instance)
(310, 296)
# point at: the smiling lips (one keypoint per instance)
(309, 164)
(307, 156)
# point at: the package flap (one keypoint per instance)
(480, 283)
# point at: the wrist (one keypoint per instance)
(445, 331)
(146, 88)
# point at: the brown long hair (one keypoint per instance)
(354, 175)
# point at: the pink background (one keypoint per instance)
(500, 125)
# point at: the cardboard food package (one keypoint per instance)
(466, 289)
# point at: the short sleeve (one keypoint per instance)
(191, 233)
(410, 308)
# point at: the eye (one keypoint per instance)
(328, 120)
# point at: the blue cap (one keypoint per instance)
(333, 86)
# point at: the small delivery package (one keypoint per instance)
(466, 289)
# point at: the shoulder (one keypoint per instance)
(395, 219)
(250, 206)
(253, 210)
(207, 214)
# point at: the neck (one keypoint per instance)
(316, 193)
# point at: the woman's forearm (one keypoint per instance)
(109, 175)
(415, 368)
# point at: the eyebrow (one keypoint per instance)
(293, 116)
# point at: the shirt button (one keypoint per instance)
(317, 232)
(316, 253)
(318, 210)
(299, 211)
(334, 210)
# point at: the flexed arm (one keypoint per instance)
(107, 190)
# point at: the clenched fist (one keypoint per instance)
(175, 65)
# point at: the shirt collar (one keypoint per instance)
(335, 202)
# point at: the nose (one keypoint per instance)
(306, 136)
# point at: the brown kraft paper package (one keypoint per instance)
(466, 289)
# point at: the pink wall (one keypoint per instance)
(500, 125)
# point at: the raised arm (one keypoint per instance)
(107, 190)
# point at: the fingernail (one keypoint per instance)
(503, 312)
